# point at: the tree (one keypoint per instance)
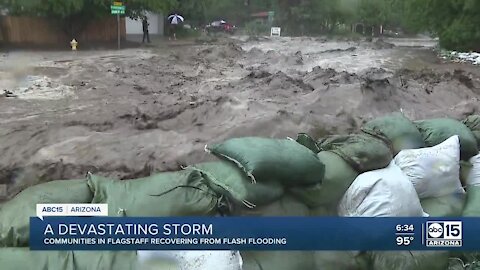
(373, 12)
(74, 15)
(454, 21)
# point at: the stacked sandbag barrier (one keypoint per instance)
(434, 174)
(256, 173)
(24, 259)
(282, 260)
(435, 131)
(14, 232)
(473, 123)
(283, 177)
(471, 209)
(183, 193)
(397, 133)
(15, 214)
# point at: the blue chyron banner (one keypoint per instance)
(254, 233)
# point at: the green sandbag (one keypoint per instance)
(104, 260)
(307, 141)
(267, 160)
(278, 260)
(436, 131)
(226, 178)
(25, 259)
(444, 206)
(363, 152)
(15, 214)
(465, 168)
(472, 203)
(281, 260)
(396, 129)
(287, 206)
(322, 211)
(341, 260)
(473, 123)
(183, 193)
(410, 260)
(337, 179)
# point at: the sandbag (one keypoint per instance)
(465, 168)
(473, 123)
(409, 260)
(183, 193)
(396, 129)
(267, 160)
(436, 131)
(363, 152)
(104, 260)
(285, 207)
(282, 260)
(15, 214)
(322, 211)
(473, 177)
(445, 206)
(278, 260)
(338, 177)
(433, 171)
(381, 193)
(227, 179)
(24, 259)
(472, 203)
(307, 141)
(341, 260)
(465, 261)
(189, 260)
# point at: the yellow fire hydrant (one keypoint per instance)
(74, 44)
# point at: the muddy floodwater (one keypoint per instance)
(129, 113)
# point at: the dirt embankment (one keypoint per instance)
(127, 115)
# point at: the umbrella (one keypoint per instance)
(175, 19)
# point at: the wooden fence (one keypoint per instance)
(39, 31)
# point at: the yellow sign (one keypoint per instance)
(117, 3)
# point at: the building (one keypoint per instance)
(134, 27)
(265, 17)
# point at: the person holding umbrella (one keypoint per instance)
(174, 20)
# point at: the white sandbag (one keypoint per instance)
(381, 193)
(189, 260)
(434, 171)
(473, 178)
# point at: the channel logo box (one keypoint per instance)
(443, 234)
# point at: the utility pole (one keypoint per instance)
(118, 31)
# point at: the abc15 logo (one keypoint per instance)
(445, 230)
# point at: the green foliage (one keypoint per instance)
(136, 8)
(86, 8)
(454, 21)
(74, 15)
(255, 28)
(373, 12)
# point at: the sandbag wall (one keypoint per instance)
(262, 177)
